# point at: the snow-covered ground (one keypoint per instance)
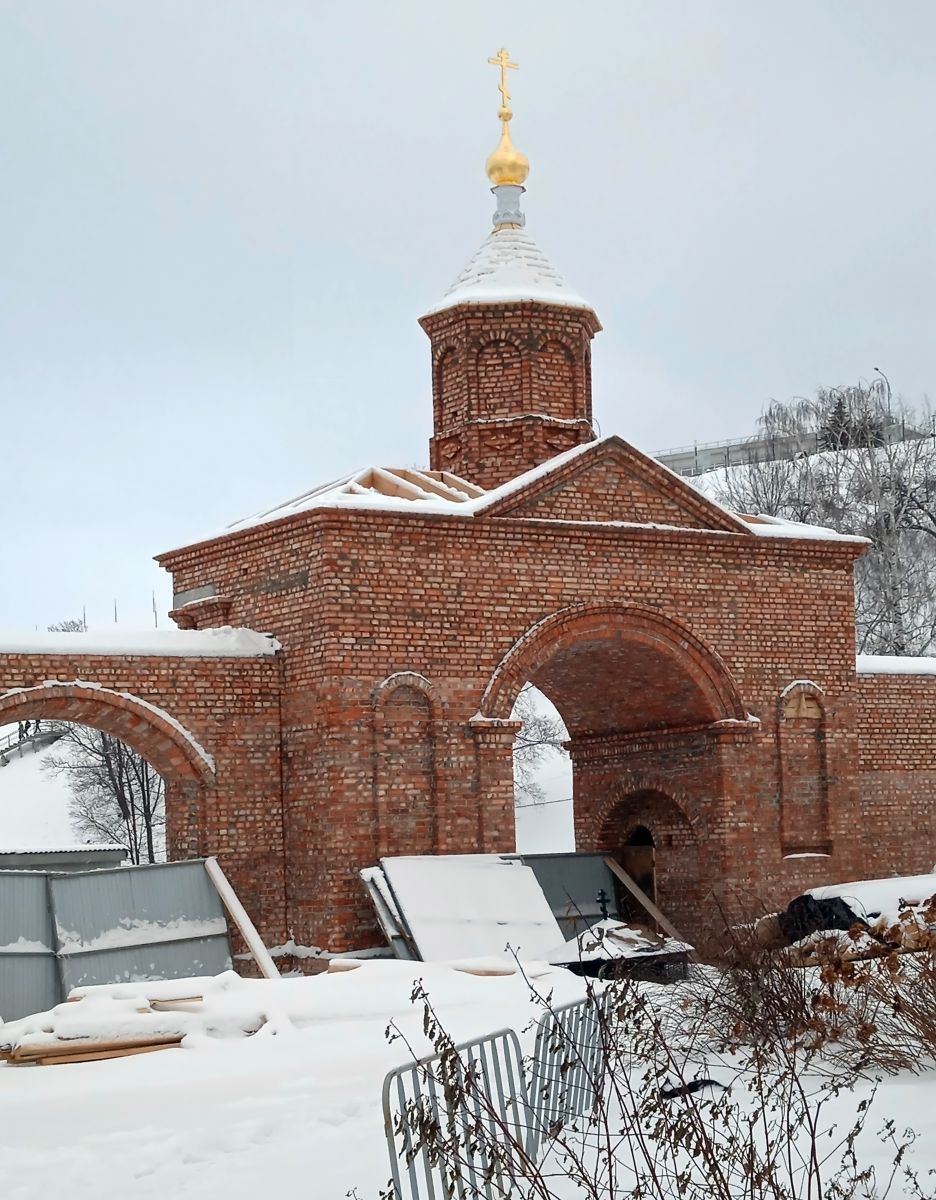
(295, 1114)
(33, 803)
(296, 1111)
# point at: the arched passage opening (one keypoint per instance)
(647, 706)
(128, 723)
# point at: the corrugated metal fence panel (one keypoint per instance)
(151, 922)
(133, 964)
(571, 883)
(28, 969)
(57, 932)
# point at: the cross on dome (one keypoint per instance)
(506, 166)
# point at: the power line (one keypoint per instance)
(542, 803)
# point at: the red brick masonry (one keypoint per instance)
(706, 674)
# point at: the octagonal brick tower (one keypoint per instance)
(511, 349)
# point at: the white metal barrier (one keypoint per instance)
(459, 1123)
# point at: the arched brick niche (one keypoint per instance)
(404, 777)
(450, 393)
(804, 776)
(500, 378)
(556, 388)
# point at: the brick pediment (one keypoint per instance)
(610, 481)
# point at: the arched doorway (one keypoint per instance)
(648, 707)
(174, 754)
(653, 839)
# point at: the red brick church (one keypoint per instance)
(703, 661)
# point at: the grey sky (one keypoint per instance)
(220, 219)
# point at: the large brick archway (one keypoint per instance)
(647, 704)
(617, 669)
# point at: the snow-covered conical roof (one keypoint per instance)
(508, 266)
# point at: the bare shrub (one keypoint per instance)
(659, 1126)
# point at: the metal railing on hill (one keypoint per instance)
(711, 456)
(15, 745)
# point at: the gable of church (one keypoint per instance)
(611, 481)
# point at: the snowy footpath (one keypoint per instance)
(295, 1112)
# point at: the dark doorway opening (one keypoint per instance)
(638, 858)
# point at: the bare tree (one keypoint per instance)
(859, 462)
(69, 625)
(116, 795)
(543, 736)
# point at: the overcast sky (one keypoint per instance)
(220, 219)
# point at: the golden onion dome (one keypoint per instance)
(506, 164)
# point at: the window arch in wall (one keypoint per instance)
(804, 776)
(499, 379)
(450, 396)
(554, 381)
(405, 776)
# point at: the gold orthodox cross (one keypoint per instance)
(502, 60)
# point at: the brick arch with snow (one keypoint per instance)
(170, 749)
(203, 707)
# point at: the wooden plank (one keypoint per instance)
(639, 894)
(238, 915)
(182, 1004)
(57, 1059)
(85, 1045)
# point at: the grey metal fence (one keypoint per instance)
(59, 931)
(450, 1117)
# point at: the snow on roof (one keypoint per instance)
(174, 643)
(440, 493)
(93, 848)
(894, 664)
(777, 527)
(406, 489)
(509, 266)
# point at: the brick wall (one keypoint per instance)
(448, 600)
(222, 767)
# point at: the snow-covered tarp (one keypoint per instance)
(610, 939)
(880, 899)
(469, 906)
